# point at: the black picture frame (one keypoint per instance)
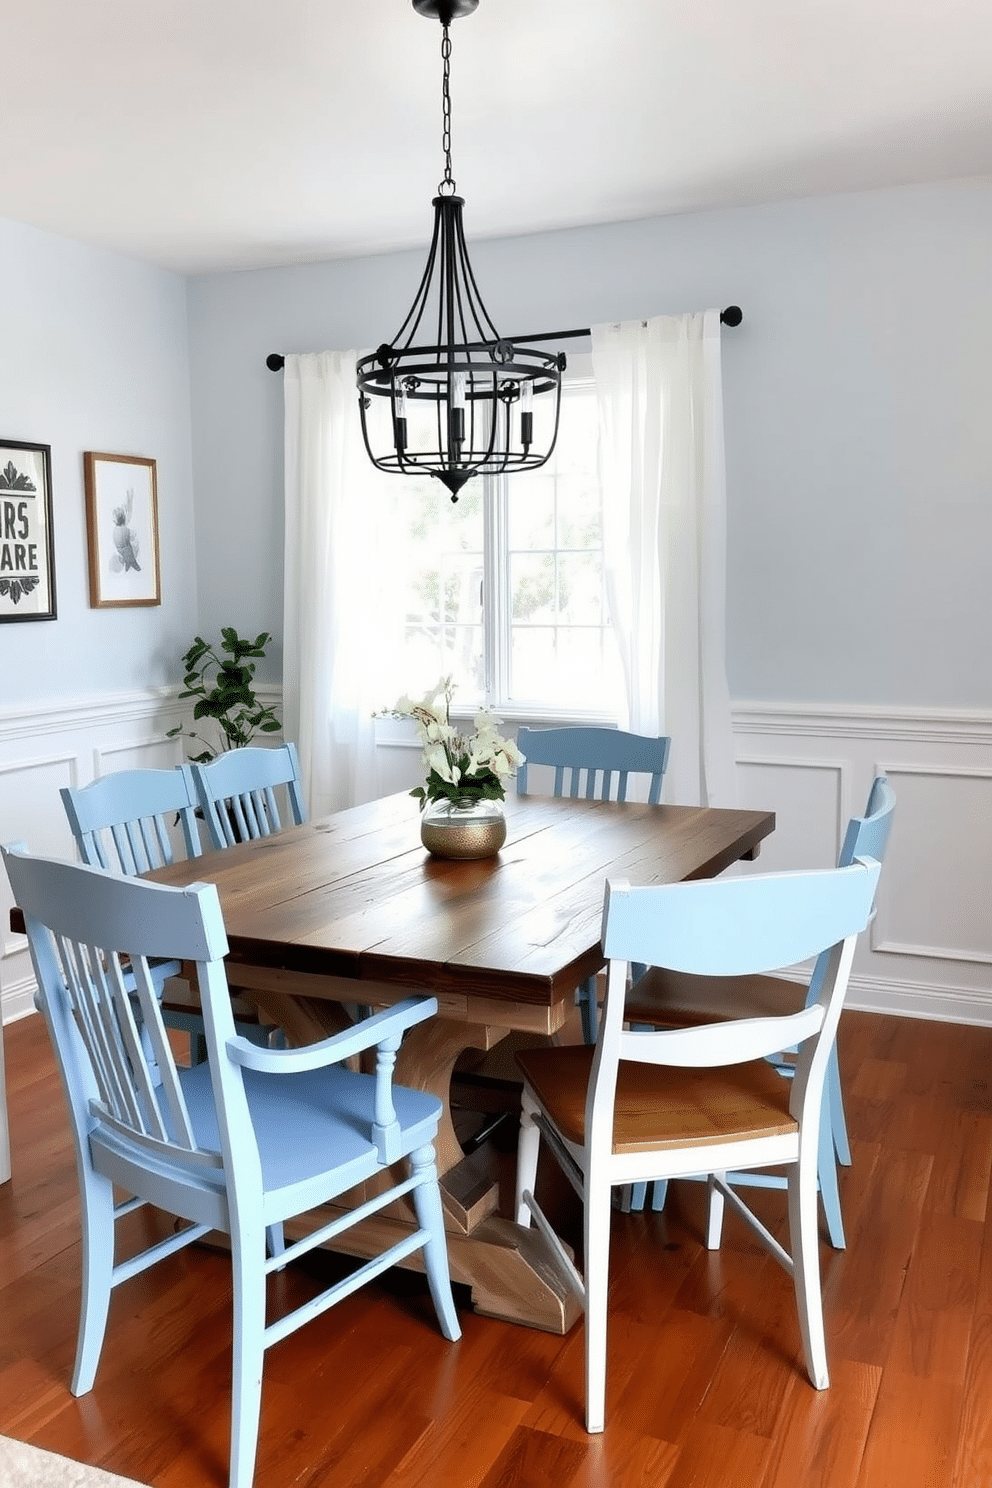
(27, 547)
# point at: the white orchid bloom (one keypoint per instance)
(483, 752)
(439, 696)
(476, 763)
(437, 759)
(486, 722)
(501, 764)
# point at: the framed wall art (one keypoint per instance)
(122, 530)
(27, 554)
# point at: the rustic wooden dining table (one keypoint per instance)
(353, 910)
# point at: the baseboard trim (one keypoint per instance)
(915, 1000)
(17, 1001)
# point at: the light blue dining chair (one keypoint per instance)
(238, 793)
(133, 821)
(660, 1104)
(674, 999)
(129, 819)
(240, 1144)
(586, 760)
(595, 764)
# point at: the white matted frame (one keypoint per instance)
(122, 529)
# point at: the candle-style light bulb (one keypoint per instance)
(399, 417)
(526, 413)
(456, 408)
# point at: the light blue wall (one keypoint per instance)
(94, 356)
(857, 393)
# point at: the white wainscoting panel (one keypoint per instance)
(809, 798)
(945, 833)
(928, 952)
(70, 743)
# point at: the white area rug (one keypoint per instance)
(22, 1466)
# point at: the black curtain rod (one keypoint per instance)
(732, 316)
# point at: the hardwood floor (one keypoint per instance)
(705, 1385)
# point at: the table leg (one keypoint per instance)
(508, 1268)
(304, 1020)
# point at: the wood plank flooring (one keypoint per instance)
(705, 1385)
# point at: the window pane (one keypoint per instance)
(580, 512)
(532, 587)
(545, 616)
(567, 666)
(531, 509)
(586, 666)
(532, 662)
(580, 590)
(561, 649)
(443, 601)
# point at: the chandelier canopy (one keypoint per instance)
(465, 403)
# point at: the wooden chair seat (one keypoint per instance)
(659, 1108)
(674, 999)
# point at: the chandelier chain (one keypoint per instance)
(448, 179)
(464, 404)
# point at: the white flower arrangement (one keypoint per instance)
(460, 767)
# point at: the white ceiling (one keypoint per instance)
(211, 134)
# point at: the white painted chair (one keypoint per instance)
(238, 1144)
(670, 999)
(648, 1105)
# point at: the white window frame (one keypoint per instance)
(497, 617)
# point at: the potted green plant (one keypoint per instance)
(223, 687)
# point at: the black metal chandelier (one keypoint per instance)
(466, 403)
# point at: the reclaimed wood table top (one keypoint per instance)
(352, 908)
(356, 895)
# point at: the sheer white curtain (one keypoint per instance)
(335, 619)
(659, 394)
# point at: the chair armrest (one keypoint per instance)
(383, 1028)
